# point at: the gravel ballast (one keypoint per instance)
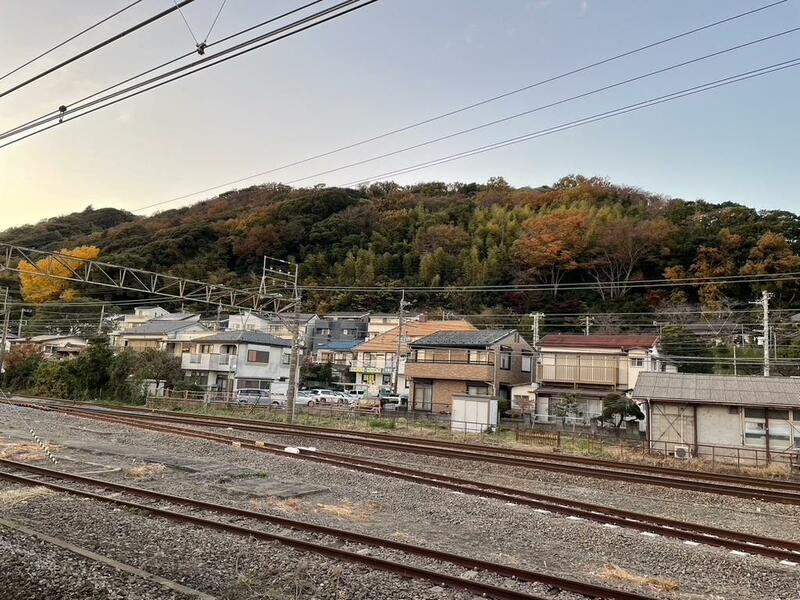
(486, 529)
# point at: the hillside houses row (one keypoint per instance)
(432, 361)
(426, 360)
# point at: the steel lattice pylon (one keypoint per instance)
(138, 280)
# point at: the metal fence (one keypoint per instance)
(624, 448)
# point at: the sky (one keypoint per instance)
(388, 65)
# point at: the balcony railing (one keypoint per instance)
(208, 362)
(579, 373)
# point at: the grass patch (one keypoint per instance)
(620, 575)
(146, 472)
(285, 505)
(24, 452)
(382, 424)
(15, 496)
(349, 512)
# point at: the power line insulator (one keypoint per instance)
(61, 109)
(201, 48)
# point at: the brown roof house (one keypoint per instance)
(486, 362)
(575, 373)
(377, 361)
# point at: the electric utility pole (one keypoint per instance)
(4, 337)
(400, 314)
(537, 316)
(586, 326)
(764, 303)
(278, 277)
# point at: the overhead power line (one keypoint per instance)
(476, 104)
(543, 106)
(69, 39)
(540, 287)
(202, 64)
(705, 87)
(96, 47)
(47, 117)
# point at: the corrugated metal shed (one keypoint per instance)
(718, 389)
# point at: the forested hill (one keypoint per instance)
(578, 230)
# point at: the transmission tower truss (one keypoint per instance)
(92, 272)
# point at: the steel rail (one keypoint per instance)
(490, 591)
(775, 548)
(479, 449)
(687, 480)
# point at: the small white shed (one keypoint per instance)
(473, 413)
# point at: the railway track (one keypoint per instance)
(39, 476)
(786, 551)
(768, 490)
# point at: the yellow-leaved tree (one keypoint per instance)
(38, 287)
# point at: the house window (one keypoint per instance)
(194, 359)
(257, 356)
(206, 348)
(387, 379)
(253, 384)
(286, 359)
(478, 390)
(505, 361)
(637, 362)
(322, 331)
(423, 396)
(527, 363)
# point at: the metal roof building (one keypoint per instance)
(747, 418)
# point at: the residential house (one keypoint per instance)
(486, 362)
(339, 355)
(231, 360)
(58, 346)
(719, 415)
(379, 323)
(377, 360)
(335, 327)
(278, 326)
(575, 373)
(164, 334)
(140, 316)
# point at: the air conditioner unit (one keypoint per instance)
(682, 452)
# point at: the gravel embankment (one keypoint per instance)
(469, 525)
(740, 514)
(31, 568)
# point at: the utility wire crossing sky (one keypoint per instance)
(383, 67)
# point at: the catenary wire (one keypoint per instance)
(94, 48)
(201, 64)
(541, 107)
(69, 39)
(473, 105)
(760, 72)
(41, 120)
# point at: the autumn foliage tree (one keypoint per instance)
(771, 255)
(48, 278)
(552, 245)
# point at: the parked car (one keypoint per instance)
(394, 402)
(257, 397)
(324, 396)
(305, 398)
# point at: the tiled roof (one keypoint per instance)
(623, 342)
(243, 337)
(718, 389)
(159, 327)
(387, 342)
(462, 339)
